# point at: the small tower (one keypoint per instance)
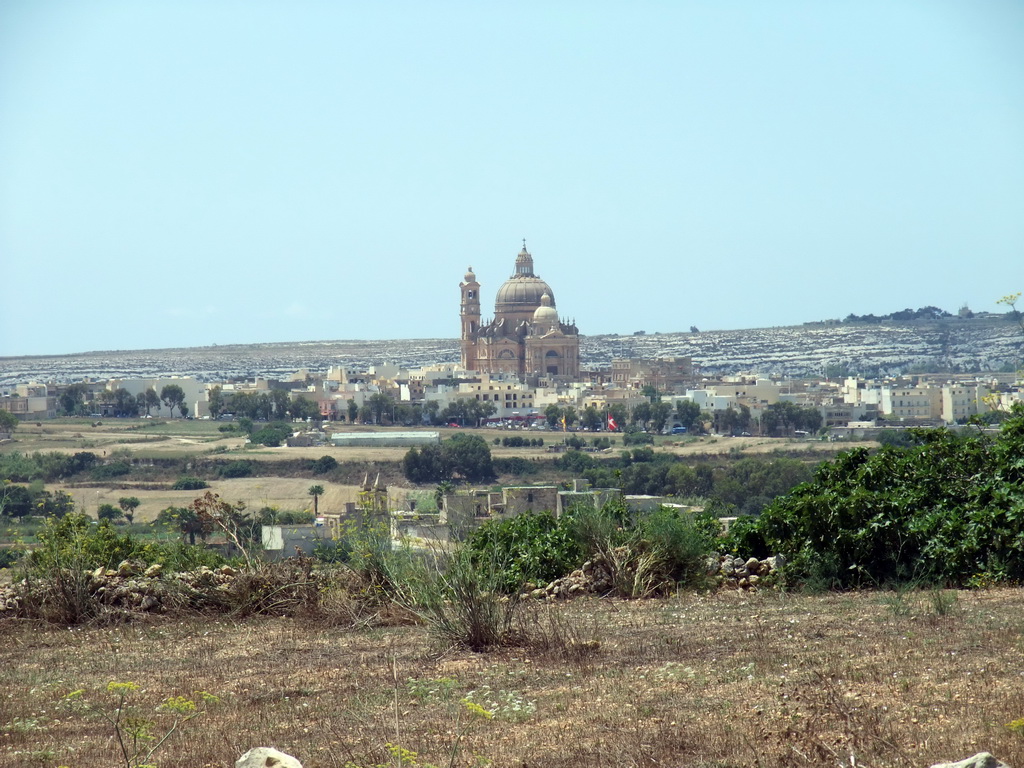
(470, 314)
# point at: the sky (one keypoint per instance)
(197, 172)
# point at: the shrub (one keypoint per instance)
(109, 512)
(188, 483)
(576, 462)
(271, 435)
(637, 438)
(239, 468)
(112, 469)
(576, 443)
(943, 511)
(9, 557)
(532, 546)
(515, 465)
(324, 464)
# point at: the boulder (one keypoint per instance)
(266, 757)
(980, 760)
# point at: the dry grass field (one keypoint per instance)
(871, 679)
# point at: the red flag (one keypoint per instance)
(611, 423)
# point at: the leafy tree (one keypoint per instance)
(637, 438)
(531, 547)
(8, 421)
(431, 409)
(241, 468)
(324, 464)
(380, 405)
(173, 396)
(553, 414)
(280, 403)
(569, 415)
(316, 491)
(352, 411)
(688, 414)
(642, 414)
(125, 403)
(304, 408)
(56, 504)
(591, 418)
(188, 521)
(272, 435)
(15, 501)
(427, 464)
(462, 455)
(72, 400)
(469, 457)
(129, 504)
(215, 401)
(660, 411)
(109, 512)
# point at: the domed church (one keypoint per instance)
(526, 336)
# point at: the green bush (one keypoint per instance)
(239, 468)
(637, 438)
(188, 483)
(9, 557)
(515, 465)
(324, 464)
(943, 511)
(118, 468)
(271, 435)
(532, 546)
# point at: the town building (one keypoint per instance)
(526, 336)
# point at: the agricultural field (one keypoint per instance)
(156, 440)
(711, 680)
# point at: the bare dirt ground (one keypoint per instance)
(726, 680)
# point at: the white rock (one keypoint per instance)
(980, 760)
(266, 757)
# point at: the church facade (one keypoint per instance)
(526, 336)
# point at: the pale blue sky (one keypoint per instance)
(189, 173)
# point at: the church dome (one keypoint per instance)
(523, 291)
(469, 276)
(545, 314)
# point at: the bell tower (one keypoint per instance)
(470, 314)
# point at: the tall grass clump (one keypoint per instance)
(647, 552)
(460, 599)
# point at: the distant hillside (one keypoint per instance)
(866, 347)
